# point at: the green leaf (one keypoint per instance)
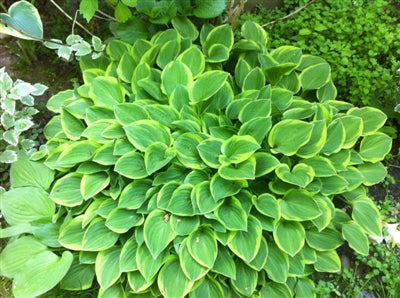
(221, 188)
(26, 204)
(77, 152)
(206, 9)
(127, 258)
(336, 136)
(107, 267)
(254, 80)
(156, 156)
(174, 74)
(185, 27)
(224, 263)
(277, 266)
(373, 118)
(202, 246)
(168, 52)
(209, 150)
(15, 255)
(131, 165)
(373, 173)
(208, 287)
(327, 261)
(92, 184)
(238, 149)
(367, 215)
(232, 215)
(355, 236)
(241, 171)
(158, 232)
(106, 91)
(143, 133)
(180, 203)
(71, 234)
(353, 127)
(186, 146)
(255, 108)
(288, 136)
(30, 173)
(267, 204)
(134, 194)
(46, 267)
(246, 279)
(322, 166)
(316, 142)
(327, 239)
(137, 282)
(194, 59)
(88, 8)
(127, 113)
(91, 239)
(147, 265)
(192, 269)
(315, 76)
(122, 220)
(172, 281)
(273, 289)
(327, 92)
(122, 12)
(301, 174)
(253, 31)
(206, 85)
(299, 205)
(71, 126)
(184, 225)
(289, 236)
(374, 147)
(265, 163)
(22, 18)
(246, 244)
(66, 190)
(79, 277)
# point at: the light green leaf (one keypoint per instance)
(94, 183)
(172, 281)
(66, 190)
(315, 76)
(209, 150)
(185, 27)
(180, 203)
(143, 133)
(131, 165)
(26, 204)
(299, 205)
(156, 156)
(304, 288)
(232, 215)
(46, 267)
(246, 244)
(241, 171)
(127, 258)
(221, 188)
(30, 173)
(277, 266)
(134, 194)
(301, 174)
(202, 246)
(79, 277)
(22, 18)
(91, 239)
(327, 239)
(355, 236)
(174, 74)
(353, 127)
(274, 289)
(121, 220)
(246, 279)
(194, 59)
(208, 287)
(289, 236)
(322, 166)
(158, 232)
(224, 263)
(367, 215)
(336, 136)
(147, 265)
(71, 126)
(327, 261)
(207, 85)
(88, 8)
(107, 267)
(265, 163)
(71, 234)
(127, 113)
(288, 136)
(372, 118)
(106, 91)
(238, 149)
(184, 225)
(373, 173)
(374, 147)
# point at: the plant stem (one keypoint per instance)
(108, 16)
(289, 15)
(69, 17)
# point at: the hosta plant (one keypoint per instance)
(16, 111)
(191, 164)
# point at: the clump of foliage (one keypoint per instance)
(360, 39)
(376, 274)
(157, 11)
(190, 163)
(16, 123)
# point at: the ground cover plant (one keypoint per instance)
(192, 164)
(360, 40)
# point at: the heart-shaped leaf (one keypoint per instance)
(301, 174)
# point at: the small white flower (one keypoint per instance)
(393, 233)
